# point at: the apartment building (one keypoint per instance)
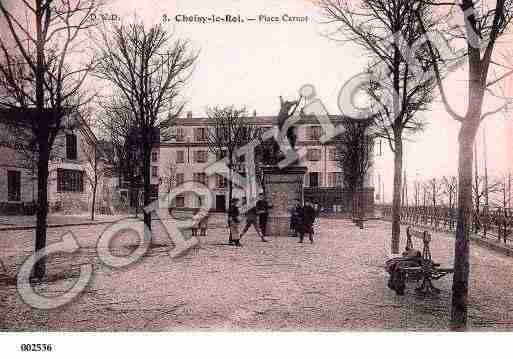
(187, 156)
(69, 189)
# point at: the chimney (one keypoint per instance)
(189, 114)
(254, 113)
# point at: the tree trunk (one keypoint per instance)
(42, 210)
(352, 203)
(396, 203)
(147, 188)
(94, 199)
(461, 247)
(230, 191)
(44, 150)
(230, 184)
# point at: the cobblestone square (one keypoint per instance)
(336, 284)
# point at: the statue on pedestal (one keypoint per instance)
(272, 153)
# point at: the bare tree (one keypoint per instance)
(354, 148)
(383, 28)
(435, 190)
(41, 81)
(230, 131)
(484, 22)
(426, 190)
(481, 189)
(93, 154)
(116, 122)
(505, 192)
(94, 173)
(450, 189)
(148, 71)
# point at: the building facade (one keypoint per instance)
(187, 156)
(184, 158)
(71, 172)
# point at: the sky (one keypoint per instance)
(252, 63)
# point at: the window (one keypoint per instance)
(71, 146)
(13, 186)
(200, 134)
(180, 156)
(314, 179)
(200, 156)
(332, 154)
(180, 179)
(180, 134)
(201, 178)
(70, 180)
(314, 133)
(313, 154)
(200, 200)
(154, 157)
(180, 201)
(154, 171)
(220, 181)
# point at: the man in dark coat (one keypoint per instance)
(233, 222)
(307, 218)
(262, 209)
(251, 220)
(294, 222)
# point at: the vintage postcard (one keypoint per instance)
(231, 167)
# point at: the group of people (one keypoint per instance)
(301, 220)
(255, 216)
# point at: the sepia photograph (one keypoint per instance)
(293, 176)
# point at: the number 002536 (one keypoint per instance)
(36, 347)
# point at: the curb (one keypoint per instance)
(26, 228)
(493, 246)
(31, 227)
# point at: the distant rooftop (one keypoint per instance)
(265, 120)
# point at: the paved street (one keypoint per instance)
(338, 283)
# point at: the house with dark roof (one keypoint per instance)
(69, 189)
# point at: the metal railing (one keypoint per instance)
(496, 223)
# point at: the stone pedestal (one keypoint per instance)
(282, 186)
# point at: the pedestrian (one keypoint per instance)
(252, 220)
(262, 209)
(203, 225)
(307, 216)
(194, 228)
(294, 218)
(233, 222)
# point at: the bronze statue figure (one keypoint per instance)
(287, 110)
(272, 153)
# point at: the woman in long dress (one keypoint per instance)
(233, 222)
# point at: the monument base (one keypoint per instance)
(282, 187)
